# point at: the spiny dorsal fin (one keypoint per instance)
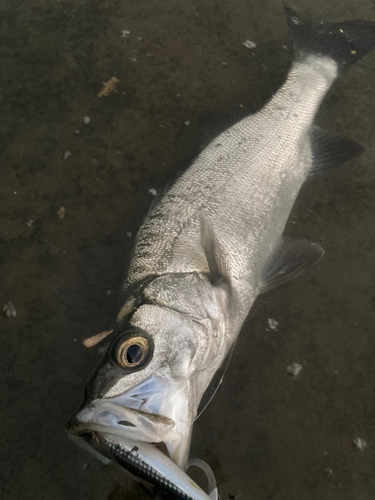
(290, 259)
(330, 151)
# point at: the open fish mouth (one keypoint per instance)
(154, 412)
(148, 443)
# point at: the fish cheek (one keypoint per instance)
(181, 358)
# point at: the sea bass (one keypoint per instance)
(206, 250)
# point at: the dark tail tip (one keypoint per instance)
(346, 42)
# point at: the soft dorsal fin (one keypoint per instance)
(290, 259)
(330, 151)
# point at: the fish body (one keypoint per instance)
(205, 251)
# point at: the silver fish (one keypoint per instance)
(204, 253)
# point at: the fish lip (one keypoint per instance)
(79, 427)
(156, 411)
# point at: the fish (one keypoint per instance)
(206, 250)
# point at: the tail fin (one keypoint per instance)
(346, 42)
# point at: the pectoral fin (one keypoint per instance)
(215, 256)
(330, 151)
(290, 259)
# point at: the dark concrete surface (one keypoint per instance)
(266, 435)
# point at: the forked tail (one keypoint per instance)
(345, 42)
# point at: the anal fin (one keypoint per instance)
(290, 259)
(330, 151)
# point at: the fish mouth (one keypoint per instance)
(146, 430)
(153, 413)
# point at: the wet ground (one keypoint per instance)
(266, 435)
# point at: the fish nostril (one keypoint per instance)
(126, 423)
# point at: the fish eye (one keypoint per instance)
(132, 352)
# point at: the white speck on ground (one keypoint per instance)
(187, 122)
(249, 44)
(359, 443)
(9, 311)
(125, 33)
(294, 369)
(61, 212)
(153, 191)
(273, 324)
(77, 131)
(30, 223)
(129, 234)
(329, 472)
(66, 155)
(87, 120)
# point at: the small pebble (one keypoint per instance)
(9, 311)
(153, 191)
(249, 44)
(125, 33)
(187, 122)
(273, 324)
(294, 369)
(329, 472)
(359, 443)
(61, 213)
(66, 155)
(87, 120)
(30, 223)
(129, 234)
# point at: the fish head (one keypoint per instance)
(146, 389)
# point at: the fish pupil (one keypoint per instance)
(134, 354)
